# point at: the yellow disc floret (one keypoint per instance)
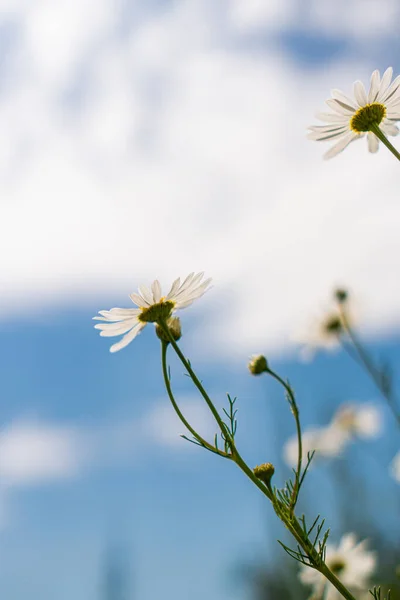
(157, 312)
(370, 114)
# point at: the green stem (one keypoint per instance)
(381, 136)
(369, 365)
(295, 412)
(194, 378)
(167, 382)
(290, 520)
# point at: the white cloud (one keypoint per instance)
(33, 452)
(179, 153)
(356, 18)
(256, 14)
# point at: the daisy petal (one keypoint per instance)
(146, 294)
(127, 338)
(360, 94)
(340, 145)
(374, 87)
(373, 142)
(331, 118)
(391, 95)
(139, 300)
(156, 289)
(385, 82)
(344, 100)
(389, 128)
(339, 108)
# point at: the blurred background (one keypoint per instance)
(151, 139)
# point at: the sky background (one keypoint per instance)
(152, 139)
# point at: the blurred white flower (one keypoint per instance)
(152, 306)
(362, 420)
(352, 119)
(350, 561)
(326, 441)
(322, 333)
(395, 467)
(350, 420)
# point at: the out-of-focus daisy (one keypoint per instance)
(324, 333)
(153, 307)
(373, 113)
(361, 420)
(350, 420)
(327, 442)
(350, 561)
(395, 467)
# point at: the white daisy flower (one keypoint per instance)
(321, 333)
(351, 119)
(350, 561)
(327, 442)
(153, 306)
(363, 420)
(395, 467)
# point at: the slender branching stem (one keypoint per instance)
(284, 512)
(361, 355)
(295, 411)
(167, 382)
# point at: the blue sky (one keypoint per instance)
(148, 141)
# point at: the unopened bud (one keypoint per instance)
(333, 325)
(264, 473)
(258, 364)
(174, 326)
(341, 295)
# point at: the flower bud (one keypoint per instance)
(258, 364)
(341, 295)
(174, 326)
(264, 472)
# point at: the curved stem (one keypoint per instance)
(366, 361)
(194, 378)
(381, 136)
(289, 519)
(167, 382)
(295, 411)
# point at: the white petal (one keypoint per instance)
(114, 329)
(156, 289)
(128, 338)
(339, 108)
(117, 314)
(187, 299)
(389, 128)
(322, 133)
(341, 145)
(385, 82)
(360, 94)
(344, 100)
(373, 142)
(139, 300)
(374, 87)
(146, 294)
(331, 118)
(392, 93)
(174, 288)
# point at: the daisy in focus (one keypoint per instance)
(373, 113)
(153, 307)
(350, 561)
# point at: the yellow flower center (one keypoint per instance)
(337, 566)
(156, 312)
(366, 116)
